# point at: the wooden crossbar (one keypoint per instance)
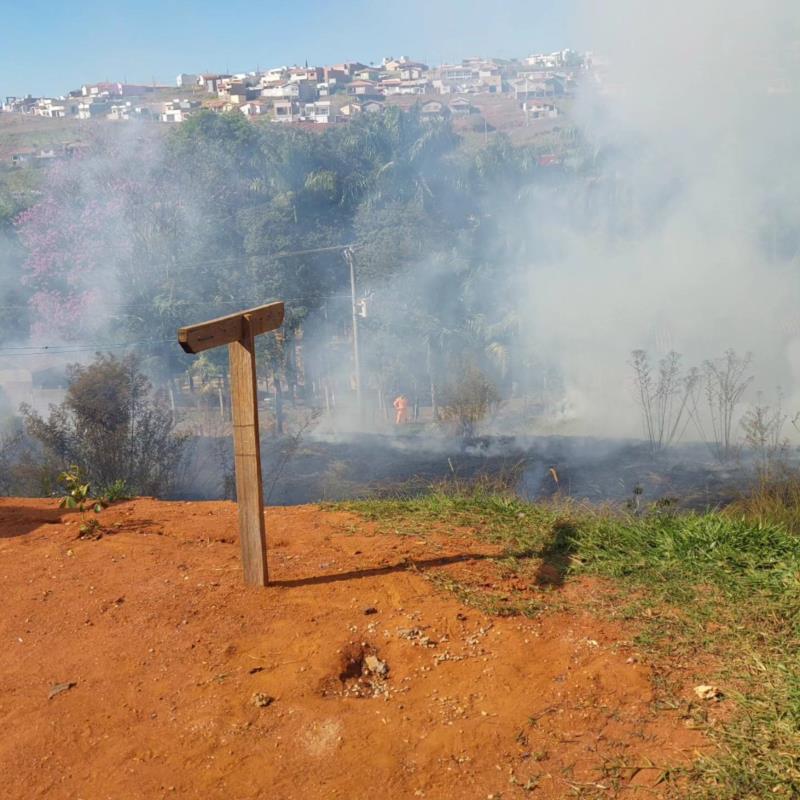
(224, 330)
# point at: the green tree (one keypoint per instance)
(112, 426)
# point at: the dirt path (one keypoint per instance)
(352, 676)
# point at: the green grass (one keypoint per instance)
(723, 586)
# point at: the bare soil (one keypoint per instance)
(138, 666)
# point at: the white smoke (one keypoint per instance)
(698, 115)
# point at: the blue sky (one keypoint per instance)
(51, 46)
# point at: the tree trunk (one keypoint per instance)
(171, 390)
(276, 381)
(291, 366)
(431, 373)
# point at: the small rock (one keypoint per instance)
(254, 670)
(261, 700)
(58, 688)
(370, 610)
(376, 666)
(708, 692)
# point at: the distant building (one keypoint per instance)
(363, 89)
(311, 74)
(55, 108)
(93, 107)
(20, 105)
(178, 110)
(286, 111)
(460, 107)
(186, 80)
(210, 83)
(367, 74)
(292, 90)
(526, 89)
(319, 112)
(255, 108)
(433, 109)
(537, 109)
(404, 62)
(128, 111)
(350, 110)
(115, 89)
(414, 87)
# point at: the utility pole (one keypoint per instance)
(348, 255)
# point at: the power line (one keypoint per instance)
(10, 351)
(205, 303)
(45, 350)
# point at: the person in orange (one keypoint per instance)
(401, 408)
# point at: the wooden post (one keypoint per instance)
(247, 456)
(238, 331)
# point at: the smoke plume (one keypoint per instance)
(688, 239)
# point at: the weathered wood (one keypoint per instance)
(226, 330)
(247, 453)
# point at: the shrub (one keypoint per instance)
(466, 401)
(112, 426)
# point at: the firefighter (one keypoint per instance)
(401, 409)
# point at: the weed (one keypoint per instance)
(726, 381)
(78, 497)
(116, 492)
(664, 401)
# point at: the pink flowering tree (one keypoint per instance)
(71, 237)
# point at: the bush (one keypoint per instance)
(467, 401)
(112, 426)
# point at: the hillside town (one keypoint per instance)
(329, 94)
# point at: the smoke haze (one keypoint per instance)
(678, 230)
(692, 240)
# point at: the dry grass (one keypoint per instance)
(774, 500)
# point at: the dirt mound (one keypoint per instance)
(138, 666)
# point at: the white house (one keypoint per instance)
(93, 108)
(211, 83)
(54, 109)
(318, 112)
(254, 108)
(536, 109)
(120, 111)
(273, 75)
(178, 110)
(286, 111)
(414, 87)
(282, 91)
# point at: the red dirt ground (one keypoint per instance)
(167, 650)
